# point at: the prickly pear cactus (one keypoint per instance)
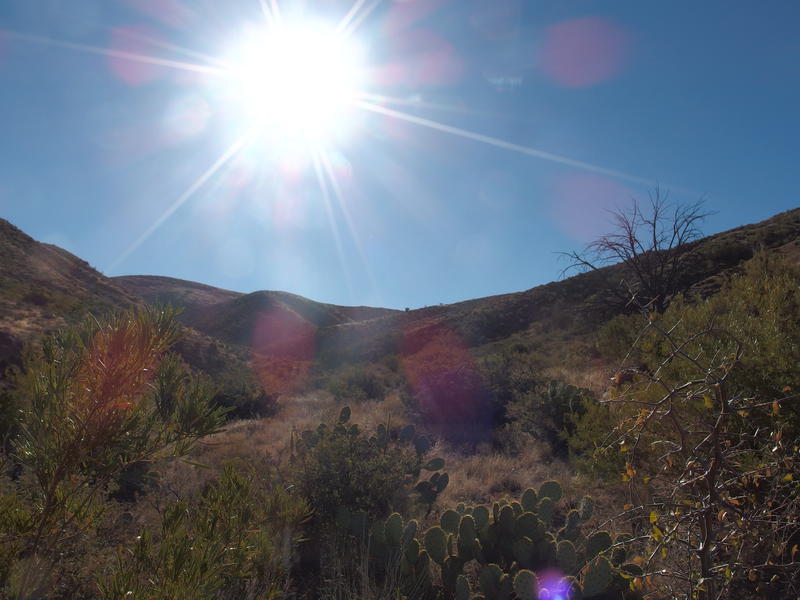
(597, 577)
(550, 489)
(510, 543)
(526, 585)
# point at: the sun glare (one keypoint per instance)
(296, 83)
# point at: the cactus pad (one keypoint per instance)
(597, 577)
(597, 543)
(450, 521)
(550, 489)
(526, 585)
(436, 544)
(546, 508)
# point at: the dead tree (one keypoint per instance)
(653, 245)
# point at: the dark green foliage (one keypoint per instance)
(341, 467)
(93, 402)
(361, 382)
(238, 538)
(549, 412)
(240, 394)
(713, 400)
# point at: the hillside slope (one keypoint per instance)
(43, 287)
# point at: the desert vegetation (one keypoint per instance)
(655, 457)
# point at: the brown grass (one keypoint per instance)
(267, 441)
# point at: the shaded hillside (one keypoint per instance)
(232, 316)
(43, 287)
(550, 316)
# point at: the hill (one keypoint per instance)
(44, 287)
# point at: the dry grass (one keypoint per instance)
(484, 477)
(267, 441)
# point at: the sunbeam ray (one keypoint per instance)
(337, 192)
(211, 60)
(323, 186)
(153, 60)
(232, 151)
(492, 141)
(371, 97)
(353, 18)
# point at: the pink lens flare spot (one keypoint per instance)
(582, 201)
(283, 345)
(584, 52)
(446, 382)
(133, 57)
(170, 12)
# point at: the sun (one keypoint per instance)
(296, 82)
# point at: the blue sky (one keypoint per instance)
(99, 152)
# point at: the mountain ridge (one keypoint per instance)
(43, 287)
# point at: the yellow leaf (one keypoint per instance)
(658, 535)
(663, 552)
(653, 516)
(788, 477)
(728, 573)
(708, 402)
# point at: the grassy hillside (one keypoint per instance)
(42, 287)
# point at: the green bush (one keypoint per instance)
(92, 401)
(358, 383)
(709, 427)
(236, 541)
(338, 466)
(549, 412)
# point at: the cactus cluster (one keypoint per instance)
(509, 542)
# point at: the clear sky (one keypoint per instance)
(486, 136)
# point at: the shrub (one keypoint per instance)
(94, 400)
(357, 384)
(549, 412)
(236, 541)
(339, 466)
(710, 431)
